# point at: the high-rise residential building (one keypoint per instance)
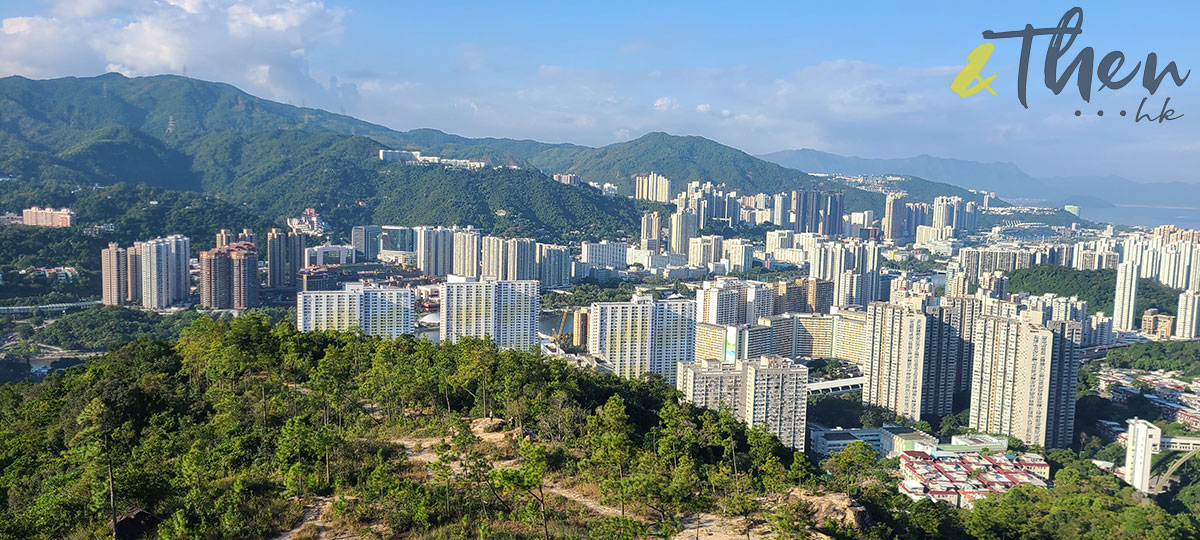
(779, 240)
(1099, 330)
(133, 269)
(435, 250)
(734, 301)
(642, 335)
(579, 328)
(958, 314)
(894, 214)
(949, 211)
(818, 295)
(47, 217)
(682, 228)
(1024, 380)
(605, 254)
(468, 249)
(215, 287)
(1125, 301)
(900, 376)
(917, 214)
(776, 398)
(852, 336)
(651, 232)
(165, 271)
(731, 342)
(806, 210)
(285, 259)
(229, 276)
(795, 335)
(712, 384)
(553, 265)
(508, 259)
(376, 310)
(244, 280)
(978, 261)
(703, 250)
(831, 213)
(768, 391)
(781, 209)
(505, 311)
(365, 239)
(1143, 441)
(1189, 315)
(740, 254)
(652, 187)
(224, 238)
(114, 275)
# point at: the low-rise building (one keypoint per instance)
(960, 479)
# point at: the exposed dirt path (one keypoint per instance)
(314, 511)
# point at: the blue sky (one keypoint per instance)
(868, 81)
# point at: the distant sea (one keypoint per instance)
(1150, 216)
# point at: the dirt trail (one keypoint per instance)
(314, 511)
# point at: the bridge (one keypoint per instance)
(21, 310)
(1144, 440)
(836, 386)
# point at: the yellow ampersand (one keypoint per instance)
(975, 62)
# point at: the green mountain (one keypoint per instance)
(277, 159)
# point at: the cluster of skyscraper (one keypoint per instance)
(1168, 256)
(441, 251)
(153, 274)
(1017, 363)
(947, 217)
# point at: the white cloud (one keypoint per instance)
(259, 45)
(703, 108)
(665, 104)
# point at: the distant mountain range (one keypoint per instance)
(1005, 179)
(186, 134)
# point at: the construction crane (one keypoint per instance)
(559, 336)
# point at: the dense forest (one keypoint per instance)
(236, 427)
(101, 327)
(1183, 356)
(1097, 287)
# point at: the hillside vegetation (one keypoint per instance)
(1098, 287)
(112, 128)
(237, 427)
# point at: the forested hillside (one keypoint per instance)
(183, 133)
(1098, 287)
(235, 428)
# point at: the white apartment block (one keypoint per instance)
(1124, 304)
(505, 311)
(373, 309)
(1189, 315)
(643, 335)
(165, 271)
(776, 398)
(769, 391)
(605, 254)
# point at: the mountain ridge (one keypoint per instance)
(213, 137)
